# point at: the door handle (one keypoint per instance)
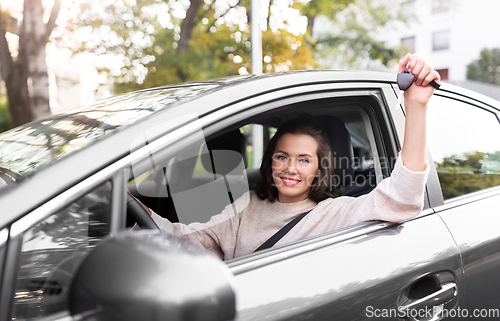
(447, 292)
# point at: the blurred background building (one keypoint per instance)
(450, 35)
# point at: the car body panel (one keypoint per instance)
(474, 221)
(343, 279)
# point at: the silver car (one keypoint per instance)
(68, 250)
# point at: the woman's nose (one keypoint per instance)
(291, 166)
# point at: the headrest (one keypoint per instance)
(225, 153)
(340, 143)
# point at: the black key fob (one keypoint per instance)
(405, 80)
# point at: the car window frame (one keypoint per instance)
(395, 126)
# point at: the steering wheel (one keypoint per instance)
(139, 214)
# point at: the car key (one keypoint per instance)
(404, 80)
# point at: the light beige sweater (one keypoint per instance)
(247, 223)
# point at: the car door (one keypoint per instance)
(463, 139)
(373, 269)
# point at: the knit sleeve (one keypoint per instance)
(397, 198)
(217, 236)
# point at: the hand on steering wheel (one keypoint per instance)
(139, 213)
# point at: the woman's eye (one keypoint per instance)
(281, 157)
(304, 160)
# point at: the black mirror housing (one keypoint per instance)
(150, 275)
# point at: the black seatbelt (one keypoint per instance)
(278, 235)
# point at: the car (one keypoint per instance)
(68, 249)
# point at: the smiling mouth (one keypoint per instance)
(289, 181)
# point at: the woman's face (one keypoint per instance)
(294, 167)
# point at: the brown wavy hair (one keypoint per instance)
(323, 186)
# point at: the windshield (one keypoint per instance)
(30, 146)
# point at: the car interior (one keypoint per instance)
(205, 177)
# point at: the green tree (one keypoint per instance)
(349, 38)
(467, 160)
(171, 41)
(24, 70)
(468, 172)
(486, 68)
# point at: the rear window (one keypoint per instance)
(465, 147)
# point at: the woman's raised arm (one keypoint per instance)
(416, 99)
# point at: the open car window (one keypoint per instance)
(218, 165)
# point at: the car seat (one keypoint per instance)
(198, 197)
(348, 181)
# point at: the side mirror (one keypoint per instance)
(149, 275)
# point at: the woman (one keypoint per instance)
(296, 180)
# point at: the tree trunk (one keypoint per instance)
(26, 76)
(35, 39)
(310, 24)
(188, 24)
(15, 75)
(17, 94)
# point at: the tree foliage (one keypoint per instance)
(471, 161)
(486, 68)
(468, 172)
(169, 41)
(159, 42)
(349, 37)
